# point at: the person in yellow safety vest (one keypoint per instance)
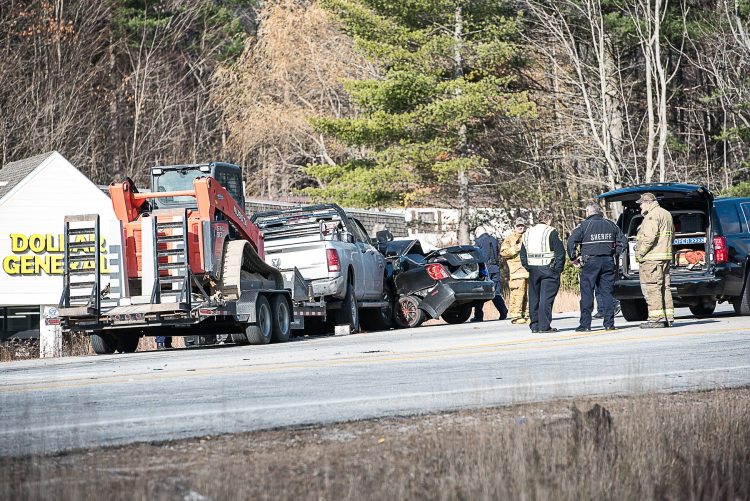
(653, 252)
(510, 250)
(543, 255)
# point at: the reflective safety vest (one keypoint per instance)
(536, 241)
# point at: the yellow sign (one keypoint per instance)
(43, 253)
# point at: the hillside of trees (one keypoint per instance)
(376, 103)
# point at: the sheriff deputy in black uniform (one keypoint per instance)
(599, 240)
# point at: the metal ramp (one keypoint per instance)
(172, 275)
(82, 292)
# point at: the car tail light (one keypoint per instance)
(437, 271)
(334, 263)
(721, 253)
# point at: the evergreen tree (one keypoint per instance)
(448, 72)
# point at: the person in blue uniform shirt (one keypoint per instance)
(489, 247)
(594, 245)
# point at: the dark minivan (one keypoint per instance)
(711, 248)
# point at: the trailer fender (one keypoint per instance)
(245, 310)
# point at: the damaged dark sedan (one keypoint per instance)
(442, 283)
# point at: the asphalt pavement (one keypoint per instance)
(51, 405)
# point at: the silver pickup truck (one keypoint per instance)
(335, 256)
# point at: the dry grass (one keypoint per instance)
(684, 446)
(19, 349)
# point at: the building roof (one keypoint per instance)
(13, 173)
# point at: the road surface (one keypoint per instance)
(48, 405)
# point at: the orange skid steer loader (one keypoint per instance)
(191, 265)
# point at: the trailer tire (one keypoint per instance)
(349, 312)
(262, 330)
(128, 343)
(103, 343)
(282, 319)
(408, 313)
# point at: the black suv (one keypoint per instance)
(711, 248)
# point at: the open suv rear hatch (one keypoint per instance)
(690, 206)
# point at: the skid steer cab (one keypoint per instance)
(191, 265)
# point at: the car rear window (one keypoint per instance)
(729, 219)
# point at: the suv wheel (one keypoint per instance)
(742, 303)
(704, 309)
(634, 310)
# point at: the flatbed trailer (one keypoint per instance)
(192, 268)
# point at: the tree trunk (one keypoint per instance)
(463, 175)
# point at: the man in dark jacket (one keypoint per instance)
(489, 247)
(594, 245)
(543, 254)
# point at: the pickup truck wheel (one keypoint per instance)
(262, 330)
(282, 319)
(742, 303)
(703, 309)
(103, 343)
(200, 340)
(634, 310)
(380, 319)
(128, 343)
(239, 338)
(458, 314)
(349, 313)
(408, 313)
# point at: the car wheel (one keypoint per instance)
(703, 309)
(282, 319)
(741, 304)
(103, 343)
(128, 343)
(634, 310)
(380, 319)
(408, 313)
(349, 313)
(458, 314)
(262, 330)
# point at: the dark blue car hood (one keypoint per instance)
(662, 191)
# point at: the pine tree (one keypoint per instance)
(447, 72)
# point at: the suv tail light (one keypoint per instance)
(436, 271)
(332, 257)
(721, 253)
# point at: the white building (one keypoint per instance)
(35, 195)
(438, 227)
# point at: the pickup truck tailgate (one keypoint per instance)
(309, 258)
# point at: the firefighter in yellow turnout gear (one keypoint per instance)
(653, 253)
(510, 250)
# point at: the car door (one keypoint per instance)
(374, 263)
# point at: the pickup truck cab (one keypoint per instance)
(335, 255)
(711, 248)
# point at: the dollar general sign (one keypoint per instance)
(44, 253)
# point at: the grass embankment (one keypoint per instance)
(684, 446)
